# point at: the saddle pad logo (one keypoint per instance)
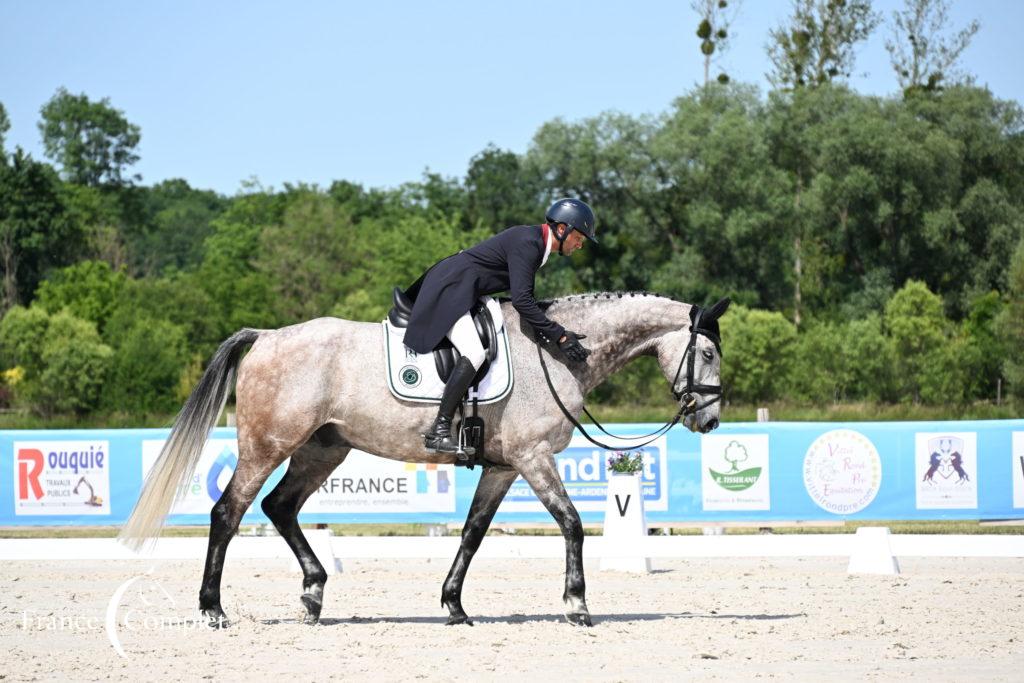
(414, 376)
(410, 376)
(842, 471)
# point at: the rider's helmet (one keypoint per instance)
(574, 213)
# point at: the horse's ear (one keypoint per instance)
(719, 309)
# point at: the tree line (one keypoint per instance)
(873, 245)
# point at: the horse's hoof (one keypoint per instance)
(216, 618)
(579, 619)
(456, 619)
(313, 607)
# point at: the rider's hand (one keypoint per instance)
(571, 347)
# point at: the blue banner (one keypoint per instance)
(743, 471)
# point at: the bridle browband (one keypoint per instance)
(687, 401)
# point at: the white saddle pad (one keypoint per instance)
(413, 376)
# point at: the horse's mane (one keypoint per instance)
(545, 304)
(711, 328)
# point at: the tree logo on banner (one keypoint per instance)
(736, 479)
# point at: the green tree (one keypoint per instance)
(88, 289)
(871, 357)
(1010, 324)
(918, 327)
(172, 224)
(5, 125)
(179, 298)
(822, 371)
(762, 345)
(22, 334)
(63, 360)
(309, 258)
(240, 294)
(501, 191)
(34, 232)
(149, 360)
(716, 18)
(816, 44)
(923, 55)
(93, 143)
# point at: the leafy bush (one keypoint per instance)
(63, 360)
(88, 289)
(147, 367)
(759, 348)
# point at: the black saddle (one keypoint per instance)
(445, 354)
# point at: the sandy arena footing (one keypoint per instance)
(942, 619)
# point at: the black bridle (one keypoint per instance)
(686, 397)
(687, 401)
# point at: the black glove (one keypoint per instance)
(572, 348)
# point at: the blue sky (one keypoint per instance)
(378, 92)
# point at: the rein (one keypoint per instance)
(687, 401)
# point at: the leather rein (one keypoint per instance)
(687, 400)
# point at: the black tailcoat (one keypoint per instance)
(506, 262)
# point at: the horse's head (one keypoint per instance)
(691, 359)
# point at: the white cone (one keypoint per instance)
(625, 528)
(872, 552)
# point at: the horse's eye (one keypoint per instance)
(708, 356)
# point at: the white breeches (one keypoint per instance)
(464, 337)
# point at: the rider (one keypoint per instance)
(506, 262)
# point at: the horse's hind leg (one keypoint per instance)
(308, 468)
(539, 470)
(491, 490)
(254, 466)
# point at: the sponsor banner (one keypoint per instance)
(216, 465)
(584, 471)
(734, 472)
(946, 464)
(818, 471)
(1017, 466)
(842, 471)
(61, 477)
(366, 483)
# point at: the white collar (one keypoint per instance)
(547, 247)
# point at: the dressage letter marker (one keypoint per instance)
(625, 530)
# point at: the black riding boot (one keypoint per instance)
(440, 438)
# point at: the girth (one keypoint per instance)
(445, 354)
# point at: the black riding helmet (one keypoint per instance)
(574, 213)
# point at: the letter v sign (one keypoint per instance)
(622, 506)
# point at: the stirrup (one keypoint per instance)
(450, 446)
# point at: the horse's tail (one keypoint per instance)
(180, 454)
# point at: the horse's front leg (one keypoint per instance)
(491, 490)
(539, 470)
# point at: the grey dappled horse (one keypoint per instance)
(314, 391)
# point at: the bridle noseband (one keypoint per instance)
(687, 401)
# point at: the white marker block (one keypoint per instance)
(872, 552)
(625, 528)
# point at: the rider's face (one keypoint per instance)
(573, 242)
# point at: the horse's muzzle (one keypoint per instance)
(709, 426)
